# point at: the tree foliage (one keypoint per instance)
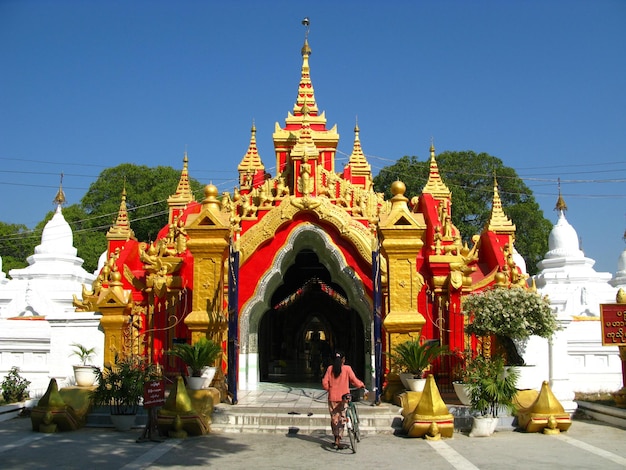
(470, 178)
(147, 190)
(17, 243)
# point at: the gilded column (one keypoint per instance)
(401, 240)
(115, 304)
(209, 233)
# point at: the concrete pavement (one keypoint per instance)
(588, 444)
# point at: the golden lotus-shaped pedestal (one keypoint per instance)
(425, 413)
(186, 412)
(61, 410)
(545, 414)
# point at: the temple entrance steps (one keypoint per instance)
(289, 408)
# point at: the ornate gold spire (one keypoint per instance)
(305, 147)
(121, 230)
(183, 194)
(357, 161)
(499, 222)
(435, 184)
(306, 94)
(251, 161)
(59, 199)
(560, 202)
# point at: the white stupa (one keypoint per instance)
(577, 359)
(38, 322)
(619, 280)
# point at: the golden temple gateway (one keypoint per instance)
(291, 266)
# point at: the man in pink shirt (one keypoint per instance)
(337, 382)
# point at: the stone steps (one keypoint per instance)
(383, 419)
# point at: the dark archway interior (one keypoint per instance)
(298, 339)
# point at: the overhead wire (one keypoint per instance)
(343, 157)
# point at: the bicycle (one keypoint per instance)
(351, 422)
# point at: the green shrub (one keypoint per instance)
(14, 386)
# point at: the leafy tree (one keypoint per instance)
(147, 190)
(470, 178)
(17, 243)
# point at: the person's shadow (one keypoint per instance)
(320, 438)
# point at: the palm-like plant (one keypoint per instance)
(491, 385)
(120, 385)
(201, 354)
(83, 353)
(415, 356)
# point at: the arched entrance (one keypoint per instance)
(310, 319)
(276, 343)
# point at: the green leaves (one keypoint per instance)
(201, 354)
(514, 312)
(14, 386)
(83, 353)
(470, 178)
(120, 386)
(491, 386)
(416, 355)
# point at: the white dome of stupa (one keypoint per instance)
(620, 276)
(563, 240)
(519, 261)
(57, 236)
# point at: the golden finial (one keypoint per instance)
(306, 50)
(560, 202)
(432, 147)
(59, 199)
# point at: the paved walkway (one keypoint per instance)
(587, 445)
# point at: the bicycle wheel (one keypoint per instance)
(356, 423)
(351, 431)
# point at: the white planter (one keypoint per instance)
(85, 376)
(204, 381)
(416, 385)
(208, 373)
(483, 426)
(403, 377)
(123, 422)
(195, 383)
(462, 392)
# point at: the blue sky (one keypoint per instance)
(87, 85)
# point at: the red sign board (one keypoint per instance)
(154, 393)
(613, 324)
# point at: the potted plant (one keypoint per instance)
(459, 375)
(511, 314)
(84, 373)
(14, 386)
(492, 388)
(120, 387)
(413, 357)
(198, 357)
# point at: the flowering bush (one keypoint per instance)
(509, 314)
(513, 312)
(121, 386)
